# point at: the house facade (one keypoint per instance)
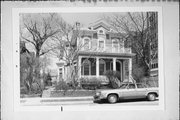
(101, 49)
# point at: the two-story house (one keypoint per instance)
(102, 50)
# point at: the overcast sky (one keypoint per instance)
(84, 18)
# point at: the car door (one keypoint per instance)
(130, 92)
(122, 90)
(141, 91)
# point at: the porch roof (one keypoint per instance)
(105, 54)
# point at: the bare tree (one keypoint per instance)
(134, 25)
(37, 30)
(66, 47)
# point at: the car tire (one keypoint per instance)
(151, 97)
(112, 98)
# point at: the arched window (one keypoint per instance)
(86, 67)
(101, 31)
(86, 43)
(102, 67)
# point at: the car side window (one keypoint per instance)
(131, 86)
(140, 86)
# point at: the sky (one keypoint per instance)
(84, 18)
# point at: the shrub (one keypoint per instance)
(62, 85)
(113, 76)
(73, 84)
(92, 82)
(150, 81)
(23, 90)
(47, 80)
(111, 73)
(138, 72)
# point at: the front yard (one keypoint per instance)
(72, 93)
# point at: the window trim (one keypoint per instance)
(103, 44)
(103, 32)
(88, 42)
(89, 62)
(114, 44)
(104, 63)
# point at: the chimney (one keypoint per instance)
(77, 25)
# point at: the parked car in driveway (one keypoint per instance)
(127, 91)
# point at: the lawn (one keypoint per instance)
(72, 93)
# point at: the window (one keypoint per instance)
(154, 65)
(123, 86)
(95, 36)
(101, 45)
(101, 32)
(86, 43)
(141, 86)
(86, 67)
(115, 45)
(60, 73)
(107, 36)
(102, 67)
(131, 86)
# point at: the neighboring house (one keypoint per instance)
(103, 49)
(153, 36)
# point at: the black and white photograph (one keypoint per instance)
(95, 60)
(89, 58)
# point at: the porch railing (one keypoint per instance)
(108, 50)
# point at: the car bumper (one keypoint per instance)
(98, 98)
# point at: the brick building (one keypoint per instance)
(153, 37)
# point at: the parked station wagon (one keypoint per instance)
(127, 91)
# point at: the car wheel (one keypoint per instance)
(112, 98)
(151, 97)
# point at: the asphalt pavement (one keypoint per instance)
(82, 101)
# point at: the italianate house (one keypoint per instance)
(102, 49)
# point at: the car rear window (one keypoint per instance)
(141, 86)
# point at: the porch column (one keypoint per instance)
(123, 71)
(97, 66)
(79, 66)
(114, 64)
(130, 69)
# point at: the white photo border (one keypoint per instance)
(16, 58)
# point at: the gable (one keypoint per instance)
(101, 25)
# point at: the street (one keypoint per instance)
(83, 101)
(120, 103)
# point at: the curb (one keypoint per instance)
(67, 99)
(55, 100)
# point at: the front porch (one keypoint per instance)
(96, 66)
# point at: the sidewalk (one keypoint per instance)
(56, 101)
